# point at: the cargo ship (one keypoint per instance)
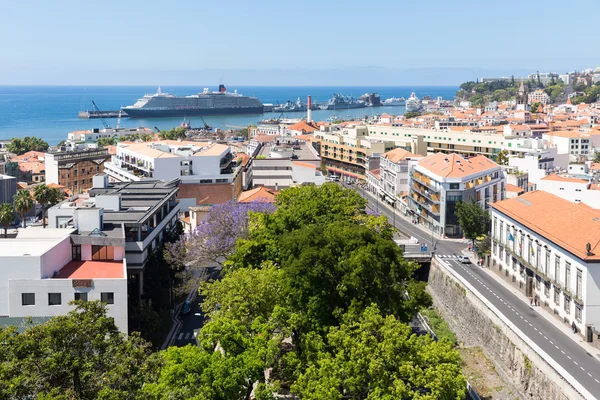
(205, 103)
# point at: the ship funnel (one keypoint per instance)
(309, 110)
(222, 89)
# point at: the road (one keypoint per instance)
(582, 366)
(194, 320)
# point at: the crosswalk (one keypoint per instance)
(452, 256)
(185, 336)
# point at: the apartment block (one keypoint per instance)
(439, 181)
(548, 248)
(136, 214)
(42, 270)
(394, 167)
(75, 169)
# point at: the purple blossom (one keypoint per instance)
(374, 213)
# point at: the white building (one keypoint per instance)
(439, 181)
(538, 96)
(575, 190)
(548, 247)
(93, 135)
(394, 168)
(538, 163)
(41, 271)
(574, 143)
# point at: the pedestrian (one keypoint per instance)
(531, 300)
(574, 327)
(537, 300)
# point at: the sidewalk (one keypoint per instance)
(595, 352)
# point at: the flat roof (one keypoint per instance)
(91, 270)
(32, 241)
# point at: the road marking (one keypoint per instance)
(550, 341)
(535, 328)
(596, 380)
(589, 374)
(521, 316)
(540, 333)
(545, 337)
(573, 361)
(187, 336)
(530, 324)
(569, 357)
(180, 336)
(562, 352)
(582, 369)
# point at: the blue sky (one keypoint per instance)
(304, 42)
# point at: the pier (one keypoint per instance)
(101, 114)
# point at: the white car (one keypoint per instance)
(464, 259)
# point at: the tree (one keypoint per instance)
(176, 133)
(23, 202)
(372, 356)
(7, 216)
(46, 195)
(537, 107)
(20, 146)
(473, 220)
(81, 355)
(103, 142)
(502, 157)
(412, 114)
(596, 158)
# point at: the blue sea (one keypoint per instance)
(50, 112)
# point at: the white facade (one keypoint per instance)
(538, 96)
(572, 189)
(566, 284)
(30, 270)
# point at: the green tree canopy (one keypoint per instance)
(81, 355)
(473, 220)
(371, 356)
(596, 158)
(173, 134)
(28, 143)
(23, 202)
(44, 195)
(103, 142)
(412, 114)
(502, 157)
(7, 216)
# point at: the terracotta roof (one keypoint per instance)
(91, 270)
(111, 149)
(567, 224)
(265, 138)
(375, 172)
(566, 134)
(455, 166)
(243, 157)
(261, 194)
(399, 154)
(304, 164)
(514, 188)
(595, 167)
(559, 178)
(302, 126)
(185, 220)
(30, 156)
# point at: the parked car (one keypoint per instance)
(465, 259)
(187, 307)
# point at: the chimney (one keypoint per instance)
(309, 110)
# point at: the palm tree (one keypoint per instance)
(23, 202)
(7, 216)
(46, 195)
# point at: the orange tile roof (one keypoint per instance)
(260, 193)
(595, 167)
(375, 172)
(514, 188)
(30, 156)
(111, 149)
(559, 178)
(455, 166)
(567, 224)
(399, 154)
(91, 270)
(566, 134)
(265, 138)
(304, 164)
(302, 126)
(244, 158)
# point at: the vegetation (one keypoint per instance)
(473, 220)
(23, 203)
(173, 134)
(103, 142)
(591, 94)
(484, 92)
(412, 114)
(439, 326)
(78, 356)
(502, 157)
(596, 158)
(46, 195)
(134, 137)
(20, 146)
(7, 216)
(314, 290)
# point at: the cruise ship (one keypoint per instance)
(394, 101)
(341, 102)
(205, 103)
(413, 103)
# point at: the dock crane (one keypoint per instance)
(106, 125)
(207, 127)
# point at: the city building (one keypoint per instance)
(93, 135)
(521, 99)
(574, 143)
(42, 270)
(208, 172)
(575, 190)
(548, 248)
(8, 188)
(31, 167)
(138, 214)
(439, 181)
(75, 169)
(538, 96)
(394, 167)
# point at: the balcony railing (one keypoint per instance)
(434, 197)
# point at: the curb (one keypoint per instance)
(177, 323)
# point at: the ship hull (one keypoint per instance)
(189, 112)
(343, 106)
(412, 107)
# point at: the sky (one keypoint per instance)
(305, 42)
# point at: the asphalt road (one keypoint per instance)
(194, 320)
(582, 366)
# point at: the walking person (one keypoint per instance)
(531, 300)
(574, 327)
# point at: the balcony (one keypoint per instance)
(469, 185)
(426, 182)
(434, 197)
(488, 178)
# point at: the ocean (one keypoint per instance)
(50, 112)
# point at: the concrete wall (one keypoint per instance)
(28, 268)
(476, 324)
(54, 259)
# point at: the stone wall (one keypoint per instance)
(475, 324)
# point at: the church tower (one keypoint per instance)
(521, 98)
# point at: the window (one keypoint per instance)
(538, 256)
(567, 276)
(81, 296)
(547, 266)
(556, 268)
(28, 299)
(103, 253)
(578, 313)
(567, 305)
(578, 287)
(546, 289)
(501, 230)
(495, 226)
(54, 299)
(76, 252)
(107, 297)
(454, 186)
(556, 296)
